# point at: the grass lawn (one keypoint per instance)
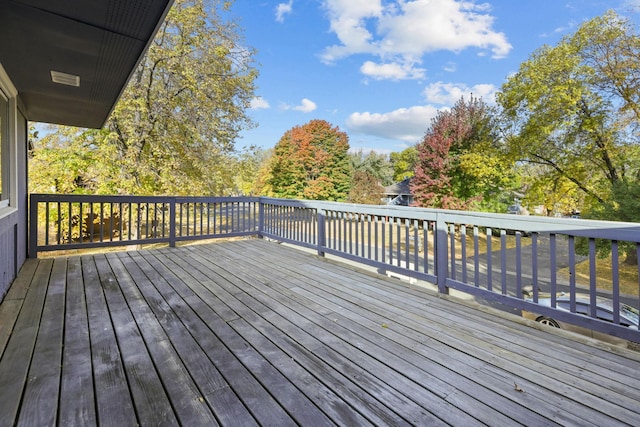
(628, 275)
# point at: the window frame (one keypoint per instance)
(8, 152)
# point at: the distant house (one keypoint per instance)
(399, 194)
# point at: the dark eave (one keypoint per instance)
(101, 41)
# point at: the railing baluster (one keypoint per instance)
(534, 266)
(80, 223)
(489, 260)
(452, 248)
(463, 249)
(592, 277)
(503, 261)
(59, 223)
(553, 269)
(425, 245)
(572, 274)
(518, 264)
(46, 226)
(476, 256)
(416, 245)
(615, 281)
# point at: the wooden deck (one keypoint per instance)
(255, 333)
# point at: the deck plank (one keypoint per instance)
(249, 332)
(43, 381)
(150, 400)
(521, 371)
(77, 397)
(12, 302)
(258, 400)
(114, 403)
(18, 353)
(294, 325)
(329, 403)
(213, 386)
(419, 367)
(411, 366)
(301, 409)
(187, 401)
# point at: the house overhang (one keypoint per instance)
(96, 43)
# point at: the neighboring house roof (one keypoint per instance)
(402, 188)
(101, 41)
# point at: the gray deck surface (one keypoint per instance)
(254, 333)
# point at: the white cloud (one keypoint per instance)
(402, 31)
(259, 103)
(283, 9)
(306, 106)
(450, 67)
(392, 71)
(450, 93)
(404, 124)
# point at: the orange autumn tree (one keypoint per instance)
(311, 162)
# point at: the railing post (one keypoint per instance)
(33, 227)
(442, 261)
(260, 218)
(172, 222)
(321, 232)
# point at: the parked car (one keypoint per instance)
(604, 311)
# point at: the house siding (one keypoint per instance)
(13, 226)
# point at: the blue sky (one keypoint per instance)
(381, 69)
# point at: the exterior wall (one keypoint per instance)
(13, 219)
(8, 249)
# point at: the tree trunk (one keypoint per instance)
(632, 258)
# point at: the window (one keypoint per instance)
(8, 167)
(5, 148)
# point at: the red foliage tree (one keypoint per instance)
(311, 162)
(440, 181)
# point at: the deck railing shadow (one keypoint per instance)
(492, 257)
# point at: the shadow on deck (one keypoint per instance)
(255, 333)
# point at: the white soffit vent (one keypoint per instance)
(65, 79)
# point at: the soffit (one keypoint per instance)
(101, 41)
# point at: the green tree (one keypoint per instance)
(404, 163)
(556, 193)
(572, 109)
(311, 162)
(374, 164)
(249, 161)
(174, 128)
(365, 189)
(460, 160)
(262, 183)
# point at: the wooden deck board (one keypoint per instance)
(255, 333)
(77, 396)
(17, 355)
(186, 400)
(602, 379)
(385, 360)
(301, 408)
(114, 403)
(43, 381)
(212, 385)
